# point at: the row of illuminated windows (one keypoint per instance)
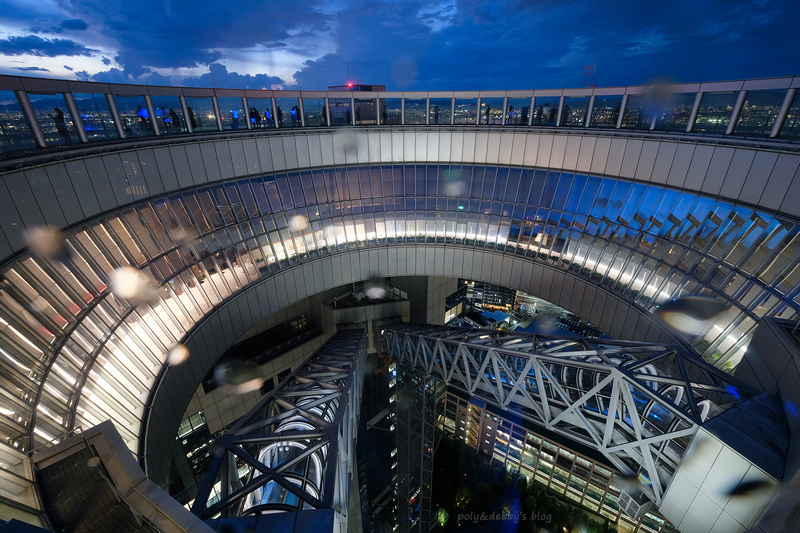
(30, 119)
(198, 237)
(581, 479)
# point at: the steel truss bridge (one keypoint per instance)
(639, 404)
(297, 446)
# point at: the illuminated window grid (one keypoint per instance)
(62, 327)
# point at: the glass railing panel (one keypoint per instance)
(391, 110)
(673, 114)
(134, 115)
(546, 112)
(231, 112)
(759, 112)
(518, 111)
(288, 112)
(15, 134)
(201, 113)
(715, 112)
(791, 126)
(440, 110)
(341, 114)
(314, 111)
(574, 112)
(261, 112)
(466, 111)
(95, 116)
(169, 114)
(54, 118)
(639, 112)
(606, 111)
(415, 111)
(365, 111)
(491, 111)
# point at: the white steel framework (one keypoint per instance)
(639, 404)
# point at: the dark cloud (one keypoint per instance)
(31, 69)
(68, 67)
(225, 79)
(106, 61)
(40, 47)
(73, 24)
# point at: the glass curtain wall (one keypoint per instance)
(639, 112)
(791, 126)
(232, 113)
(201, 113)
(54, 118)
(288, 112)
(759, 112)
(440, 111)
(391, 111)
(491, 111)
(519, 109)
(672, 114)
(15, 134)
(341, 114)
(466, 111)
(366, 113)
(95, 116)
(546, 112)
(136, 120)
(314, 110)
(415, 110)
(261, 112)
(169, 114)
(574, 112)
(715, 112)
(605, 111)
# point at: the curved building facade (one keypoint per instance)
(608, 202)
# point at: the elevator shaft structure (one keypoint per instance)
(640, 404)
(295, 450)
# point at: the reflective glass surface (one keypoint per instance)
(288, 112)
(645, 243)
(391, 110)
(314, 111)
(95, 116)
(365, 111)
(546, 112)
(520, 109)
(201, 113)
(135, 117)
(791, 126)
(340, 111)
(54, 118)
(440, 111)
(639, 112)
(759, 112)
(415, 110)
(491, 110)
(715, 112)
(169, 114)
(605, 111)
(14, 131)
(264, 117)
(466, 111)
(574, 112)
(673, 111)
(231, 112)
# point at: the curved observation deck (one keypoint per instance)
(627, 198)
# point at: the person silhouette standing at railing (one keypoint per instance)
(61, 124)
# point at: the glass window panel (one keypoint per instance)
(365, 111)
(231, 112)
(340, 111)
(15, 134)
(440, 110)
(95, 116)
(605, 111)
(54, 118)
(201, 113)
(674, 113)
(759, 112)
(791, 126)
(415, 111)
(391, 110)
(518, 111)
(639, 112)
(546, 110)
(261, 112)
(491, 111)
(288, 112)
(466, 110)
(169, 114)
(574, 112)
(715, 112)
(134, 115)
(314, 111)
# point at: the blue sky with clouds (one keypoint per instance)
(406, 45)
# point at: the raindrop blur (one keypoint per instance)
(177, 355)
(749, 487)
(451, 174)
(298, 223)
(93, 462)
(404, 72)
(345, 142)
(375, 288)
(238, 376)
(690, 314)
(48, 242)
(132, 285)
(180, 236)
(790, 408)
